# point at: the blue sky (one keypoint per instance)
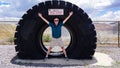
(96, 9)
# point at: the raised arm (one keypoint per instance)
(40, 15)
(70, 14)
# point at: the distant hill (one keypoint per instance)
(106, 27)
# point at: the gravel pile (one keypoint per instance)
(8, 56)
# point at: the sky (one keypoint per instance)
(96, 9)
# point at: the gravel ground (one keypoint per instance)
(7, 57)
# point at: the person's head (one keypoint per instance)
(56, 20)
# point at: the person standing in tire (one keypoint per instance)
(56, 33)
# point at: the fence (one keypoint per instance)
(107, 32)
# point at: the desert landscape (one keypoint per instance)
(7, 33)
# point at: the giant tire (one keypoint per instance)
(82, 31)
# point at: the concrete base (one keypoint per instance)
(99, 59)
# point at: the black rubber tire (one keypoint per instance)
(83, 34)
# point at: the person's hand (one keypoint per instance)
(40, 14)
(71, 13)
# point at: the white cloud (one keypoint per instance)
(117, 15)
(92, 7)
(101, 3)
(88, 3)
(17, 8)
(96, 4)
(109, 16)
(4, 6)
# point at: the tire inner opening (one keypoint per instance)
(47, 38)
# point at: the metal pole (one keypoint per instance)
(118, 33)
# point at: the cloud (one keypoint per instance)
(17, 7)
(96, 9)
(111, 15)
(95, 4)
(2, 3)
(93, 8)
(108, 15)
(117, 15)
(115, 4)
(101, 3)
(103, 9)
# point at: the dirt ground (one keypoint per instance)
(7, 58)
